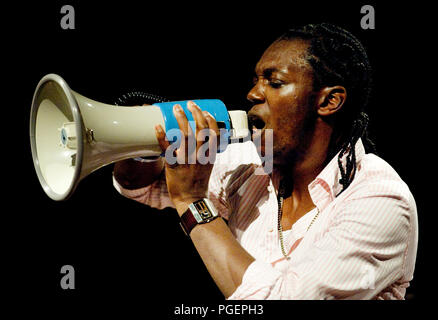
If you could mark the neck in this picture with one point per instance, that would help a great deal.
(297, 176)
(310, 162)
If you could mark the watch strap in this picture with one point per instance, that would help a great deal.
(201, 211)
(188, 222)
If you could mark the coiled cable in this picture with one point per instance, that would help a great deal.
(138, 98)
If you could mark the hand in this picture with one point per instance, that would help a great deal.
(187, 179)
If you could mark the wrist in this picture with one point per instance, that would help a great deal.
(181, 206)
(199, 212)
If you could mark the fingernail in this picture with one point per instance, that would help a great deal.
(158, 128)
(207, 114)
(177, 108)
(195, 105)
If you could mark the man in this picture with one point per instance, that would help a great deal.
(330, 221)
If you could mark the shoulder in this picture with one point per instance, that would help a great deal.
(380, 191)
(381, 178)
(379, 210)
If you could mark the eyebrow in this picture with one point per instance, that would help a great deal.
(269, 71)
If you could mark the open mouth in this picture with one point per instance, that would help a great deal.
(255, 122)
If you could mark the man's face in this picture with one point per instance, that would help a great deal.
(282, 98)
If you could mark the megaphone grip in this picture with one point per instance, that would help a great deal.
(214, 106)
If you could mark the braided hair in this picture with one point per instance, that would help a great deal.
(338, 58)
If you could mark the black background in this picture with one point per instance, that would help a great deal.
(123, 251)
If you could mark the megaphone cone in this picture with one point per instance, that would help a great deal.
(72, 136)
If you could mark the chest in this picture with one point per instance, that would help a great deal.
(290, 211)
(254, 223)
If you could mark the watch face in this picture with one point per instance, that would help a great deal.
(203, 210)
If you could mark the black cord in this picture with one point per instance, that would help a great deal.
(138, 98)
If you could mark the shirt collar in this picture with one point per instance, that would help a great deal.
(324, 188)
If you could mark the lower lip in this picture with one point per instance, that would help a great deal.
(256, 131)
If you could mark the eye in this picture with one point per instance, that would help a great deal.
(276, 84)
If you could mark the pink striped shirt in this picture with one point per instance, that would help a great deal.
(362, 245)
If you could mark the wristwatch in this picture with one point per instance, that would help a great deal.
(201, 211)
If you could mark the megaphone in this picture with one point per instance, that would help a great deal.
(71, 135)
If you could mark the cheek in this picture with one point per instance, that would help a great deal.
(289, 126)
(291, 106)
(289, 119)
(285, 96)
(286, 100)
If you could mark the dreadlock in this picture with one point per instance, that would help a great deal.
(338, 58)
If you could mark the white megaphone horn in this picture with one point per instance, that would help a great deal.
(72, 136)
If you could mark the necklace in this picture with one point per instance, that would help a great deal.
(280, 214)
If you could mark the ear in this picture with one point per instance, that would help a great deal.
(330, 100)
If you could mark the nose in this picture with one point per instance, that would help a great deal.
(255, 95)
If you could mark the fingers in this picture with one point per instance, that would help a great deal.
(198, 116)
(183, 123)
(186, 152)
(207, 135)
(206, 127)
(161, 137)
(212, 124)
(207, 130)
(214, 132)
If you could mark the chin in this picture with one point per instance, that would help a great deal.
(283, 156)
(279, 160)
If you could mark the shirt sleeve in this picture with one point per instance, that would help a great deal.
(155, 195)
(362, 253)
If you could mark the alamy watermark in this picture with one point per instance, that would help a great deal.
(204, 148)
(368, 20)
(68, 280)
(68, 19)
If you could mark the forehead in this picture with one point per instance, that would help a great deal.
(285, 56)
